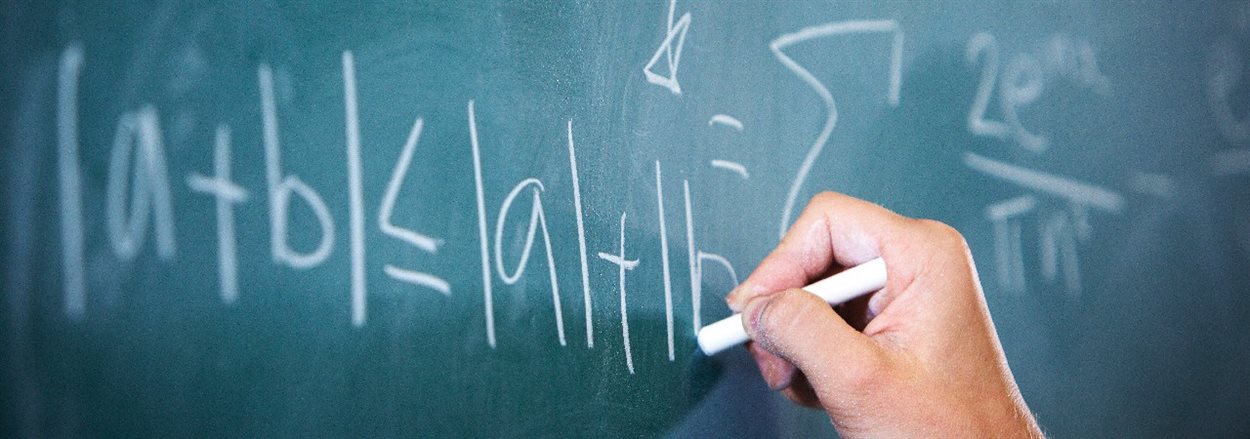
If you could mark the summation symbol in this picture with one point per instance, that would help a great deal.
(827, 30)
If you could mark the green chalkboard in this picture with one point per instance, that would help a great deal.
(484, 218)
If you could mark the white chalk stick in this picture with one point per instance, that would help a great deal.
(849, 284)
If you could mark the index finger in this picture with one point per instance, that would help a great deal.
(833, 231)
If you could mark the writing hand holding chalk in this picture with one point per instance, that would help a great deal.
(834, 290)
(919, 358)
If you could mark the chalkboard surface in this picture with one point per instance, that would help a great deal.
(491, 219)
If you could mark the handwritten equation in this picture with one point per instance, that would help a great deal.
(1057, 209)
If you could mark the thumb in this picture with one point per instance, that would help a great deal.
(804, 330)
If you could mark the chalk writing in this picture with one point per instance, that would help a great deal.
(149, 190)
(1059, 230)
(1014, 93)
(623, 265)
(538, 220)
(70, 178)
(670, 49)
(1022, 82)
(1007, 249)
(696, 257)
(977, 123)
(734, 167)
(778, 47)
(1226, 70)
(138, 193)
(281, 188)
(668, 283)
(1225, 73)
(1076, 60)
(479, 191)
(227, 194)
(356, 208)
(581, 238)
(418, 240)
(726, 120)
(1071, 190)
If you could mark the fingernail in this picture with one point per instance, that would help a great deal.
(777, 373)
(752, 312)
(876, 302)
(738, 296)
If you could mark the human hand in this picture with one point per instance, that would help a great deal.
(920, 358)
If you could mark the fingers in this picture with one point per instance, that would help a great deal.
(801, 329)
(782, 376)
(777, 372)
(927, 334)
(833, 231)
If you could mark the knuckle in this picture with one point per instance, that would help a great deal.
(824, 197)
(791, 305)
(867, 374)
(943, 233)
(825, 200)
(784, 317)
(802, 393)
